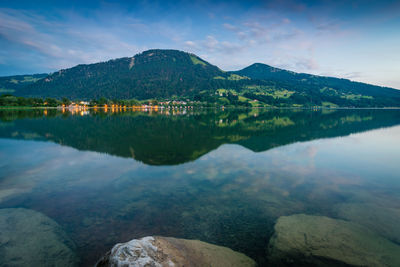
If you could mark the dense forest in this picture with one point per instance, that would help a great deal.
(11, 84)
(172, 74)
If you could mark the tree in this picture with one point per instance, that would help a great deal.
(103, 101)
(51, 102)
(65, 101)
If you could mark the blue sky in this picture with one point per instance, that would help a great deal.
(359, 40)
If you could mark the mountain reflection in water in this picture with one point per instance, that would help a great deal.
(157, 138)
(196, 175)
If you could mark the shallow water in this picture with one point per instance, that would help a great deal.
(222, 177)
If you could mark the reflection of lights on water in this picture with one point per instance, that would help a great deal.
(86, 110)
(45, 112)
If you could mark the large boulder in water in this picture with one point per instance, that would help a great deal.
(29, 238)
(381, 219)
(167, 251)
(304, 240)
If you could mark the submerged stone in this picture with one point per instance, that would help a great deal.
(167, 251)
(321, 241)
(383, 220)
(29, 238)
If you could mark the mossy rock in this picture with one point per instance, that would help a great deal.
(304, 240)
(29, 238)
(383, 220)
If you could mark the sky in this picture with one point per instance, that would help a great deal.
(358, 40)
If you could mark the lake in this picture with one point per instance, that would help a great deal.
(220, 176)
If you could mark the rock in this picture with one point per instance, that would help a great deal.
(29, 238)
(321, 241)
(383, 220)
(167, 251)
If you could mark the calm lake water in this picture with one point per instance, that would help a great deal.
(223, 177)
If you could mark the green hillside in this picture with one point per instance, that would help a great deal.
(166, 74)
(322, 89)
(151, 74)
(11, 84)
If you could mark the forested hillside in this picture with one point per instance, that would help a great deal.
(172, 74)
(11, 84)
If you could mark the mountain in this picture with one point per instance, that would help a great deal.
(166, 74)
(11, 84)
(265, 72)
(151, 74)
(331, 89)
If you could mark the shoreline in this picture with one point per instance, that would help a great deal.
(201, 107)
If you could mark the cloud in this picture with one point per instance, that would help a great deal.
(256, 30)
(59, 44)
(264, 31)
(352, 75)
(327, 26)
(190, 44)
(343, 74)
(306, 64)
(296, 63)
(38, 43)
(230, 27)
(210, 43)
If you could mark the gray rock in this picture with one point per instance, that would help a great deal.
(322, 241)
(166, 251)
(383, 220)
(29, 238)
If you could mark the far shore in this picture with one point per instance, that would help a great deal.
(185, 107)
